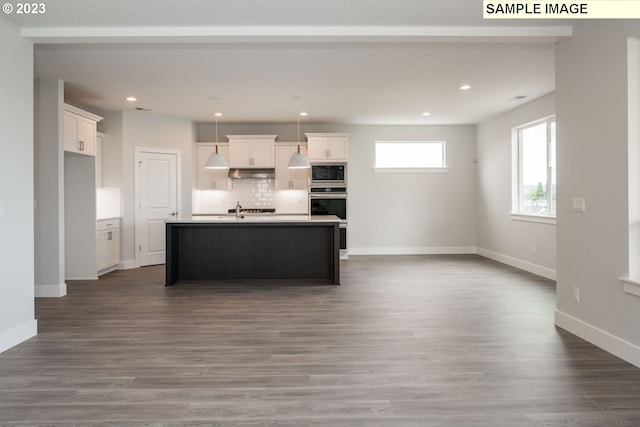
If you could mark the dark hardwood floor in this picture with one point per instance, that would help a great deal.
(405, 341)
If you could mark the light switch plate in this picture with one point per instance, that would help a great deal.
(579, 204)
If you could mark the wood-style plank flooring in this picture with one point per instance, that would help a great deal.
(405, 342)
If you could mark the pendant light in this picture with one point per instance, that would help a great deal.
(216, 160)
(298, 159)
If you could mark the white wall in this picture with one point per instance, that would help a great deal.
(17, 322)
(500, 237)
(410, 213)
(147, 129)
(49, 189)
(592, 135)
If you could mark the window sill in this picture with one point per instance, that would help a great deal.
(410, 170)
(630, 286)
(541, 219)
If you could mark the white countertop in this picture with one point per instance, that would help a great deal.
(256, 218)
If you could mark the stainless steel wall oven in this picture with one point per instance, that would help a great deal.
(331, 201)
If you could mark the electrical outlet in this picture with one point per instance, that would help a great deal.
(535, 250)
(576, 294)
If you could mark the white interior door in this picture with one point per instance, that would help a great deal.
(158, 201)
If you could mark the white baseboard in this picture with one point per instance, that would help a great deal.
(518, 263)
(615, 345)
(50, 291)
(20, 333)
(127, 264)
(396, 250)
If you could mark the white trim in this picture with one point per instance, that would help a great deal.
(18, 334)
(518, 263)
(136, 228)
(127, 264)
(630, 286)
(405, 250)
(615, 345)
(82, 278)
(410, 170)
(541, 219)
(50, 291)
(294, 34)
(83, 113)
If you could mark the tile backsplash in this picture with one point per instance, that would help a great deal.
(251, 193)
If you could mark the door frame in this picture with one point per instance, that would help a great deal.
(136, 189)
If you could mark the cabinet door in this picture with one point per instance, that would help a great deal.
(240, 153)
(79, 134)
(262, 154)
(114, 247)
(283, 174)
(290, 178)
(102, 249)
(317, 148)
(70, 132)
(87, 136)
(337, 148)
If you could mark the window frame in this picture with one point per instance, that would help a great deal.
(411, 169)
(517, 213)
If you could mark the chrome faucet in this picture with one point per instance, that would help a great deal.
(238, 207)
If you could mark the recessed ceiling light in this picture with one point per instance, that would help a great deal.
(426, 114)
(131, 98)
(465, 87)
(304, 114)
(218, 114)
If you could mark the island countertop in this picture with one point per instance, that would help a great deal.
(279, 219)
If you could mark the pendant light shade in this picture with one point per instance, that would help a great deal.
(298, 159)
(216, 160)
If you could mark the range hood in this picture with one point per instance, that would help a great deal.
(252, 173)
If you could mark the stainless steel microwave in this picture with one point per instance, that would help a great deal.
(328, 174)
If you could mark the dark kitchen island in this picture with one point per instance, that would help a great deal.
(269, 248)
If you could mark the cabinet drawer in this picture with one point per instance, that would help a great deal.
(107, 224)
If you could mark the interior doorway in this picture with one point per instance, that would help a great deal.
(157, 192)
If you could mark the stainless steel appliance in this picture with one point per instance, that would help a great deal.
(331, 201)
(328, 174)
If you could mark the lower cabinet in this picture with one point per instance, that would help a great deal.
(107, 245)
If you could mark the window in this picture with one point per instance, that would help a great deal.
(535, 169)
(410, 156)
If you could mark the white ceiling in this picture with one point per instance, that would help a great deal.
(263, 61)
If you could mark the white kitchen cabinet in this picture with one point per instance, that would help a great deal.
(327, 146)
(211, 179)
(290, 178)
(107, 245)
(251, 151)
(80, 128)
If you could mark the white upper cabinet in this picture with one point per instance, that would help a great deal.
(80, 128)
(327, 146)
(211, 179)
(251, 151)
(290, 178)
